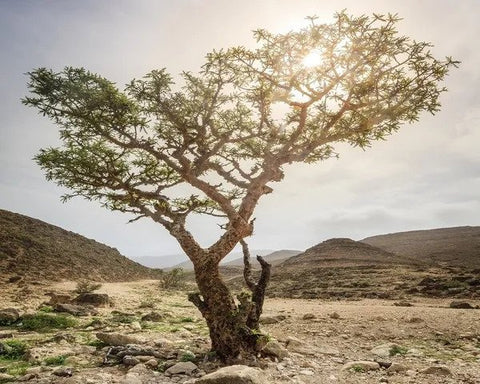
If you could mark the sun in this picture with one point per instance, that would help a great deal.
(313, 59)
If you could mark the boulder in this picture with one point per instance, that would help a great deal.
(299, 346)
(275, 349)
(385, 350)
(439, 370)
(75, 310)
(186, 368)
(95, 299)
(114, 338)
(152, 316)
(461, 305)
(234, 374)
(272, 319)
(9, 316)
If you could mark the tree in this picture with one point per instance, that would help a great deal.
(227, 132)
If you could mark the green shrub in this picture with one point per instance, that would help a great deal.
(46, 309)
(44, 322)
(55, 360)
(187, 320)
(172, 279)
(13, 349)
(187, 356)
(86, 286)
(397, 350)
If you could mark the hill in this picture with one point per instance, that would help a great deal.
(457, 246)
(273, 258)
(37, 250)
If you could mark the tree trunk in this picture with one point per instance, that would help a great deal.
(230, 323)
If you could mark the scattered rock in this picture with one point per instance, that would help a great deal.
(299, 346)
(385, 350)
(309, 316)
(461, 305)
(63, 372)
(58, 298)
(439, 370)
(152, 364)
(334, 315)
(403, 304)
(152, 316)
(117, 338)
(75, 310)
(130, 360)
(361, 366)
(273, 319)
(9, 316)
(95, 299)
(397, 367)
(27, 377)
(234, 374)
(274, 348)
(187, 368)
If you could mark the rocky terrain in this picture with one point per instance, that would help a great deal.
(34, 250)
(143, 334)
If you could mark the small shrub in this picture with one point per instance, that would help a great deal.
(187, 356)
(148, 303)
(172, 279)
(86, 286)
(42, 322)
(397, 350)
(358, 368)
(18, 368)
(55, 360)
(13, 349)
(46, 309)
(187, 320)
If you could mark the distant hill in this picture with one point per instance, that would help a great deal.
(458, 246)
(165, 261)
(273, 258)
(36, 250)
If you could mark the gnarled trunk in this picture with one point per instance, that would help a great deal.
(233, 324)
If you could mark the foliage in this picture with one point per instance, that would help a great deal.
(13, 349)
(86, 286)
(187, 356)
(44, 322)
(397, 350)
(55, 360)
(358, 368)
(172, 279)
(45, 309)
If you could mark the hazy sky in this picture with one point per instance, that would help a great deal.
(425, 176)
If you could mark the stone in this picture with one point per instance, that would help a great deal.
(403, 304)
(5, 377)
(306, 372)
(152, 364)
(275, 349)
(152, 316)
(63, 372)
(361, 366)
(272, 319)
(75, 310)
(186, 368)
(384, 350)
(130, 360)
(234, 374)
(58, 298)
(308, 316)
(439, 370)
(334, 315)
(396, 367)
(135, 325)
(461, 305)
(95, 299)
(298, 346)
(9, 316)
(114, 338)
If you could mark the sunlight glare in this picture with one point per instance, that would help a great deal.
(313, 59)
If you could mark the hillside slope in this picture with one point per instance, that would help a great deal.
(37, 250)
(458, 246)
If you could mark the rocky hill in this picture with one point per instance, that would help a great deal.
(273, 258)
(36, 250)
(458, 246)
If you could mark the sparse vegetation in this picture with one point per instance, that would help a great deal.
(358, 369)
(398, 350)
(43, 322)
(172, 279)
(55, 360)
(13, 349)
(86, 286)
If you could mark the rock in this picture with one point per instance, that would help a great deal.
(186, 368)
(397, 367)
(308, 316)
(361, 366)
(14, 279)
(135, 325)
(130, 360)
(298, 346)
(415, 320)
(439, 370)
(6, 377)
(334, 315)
(385, 350)
(9, 316)
(63, 372)
(117, 338)
(272, 319)
(306, 372)
(403, 304)
(58, 298)
(6, 335)
(152, 364)
(75, 310)
(152, 316)
(234, 374)
(274, 348)
(461, 305)
(68, 337)
(95, 299)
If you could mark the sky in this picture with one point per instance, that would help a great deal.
(427, 175)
